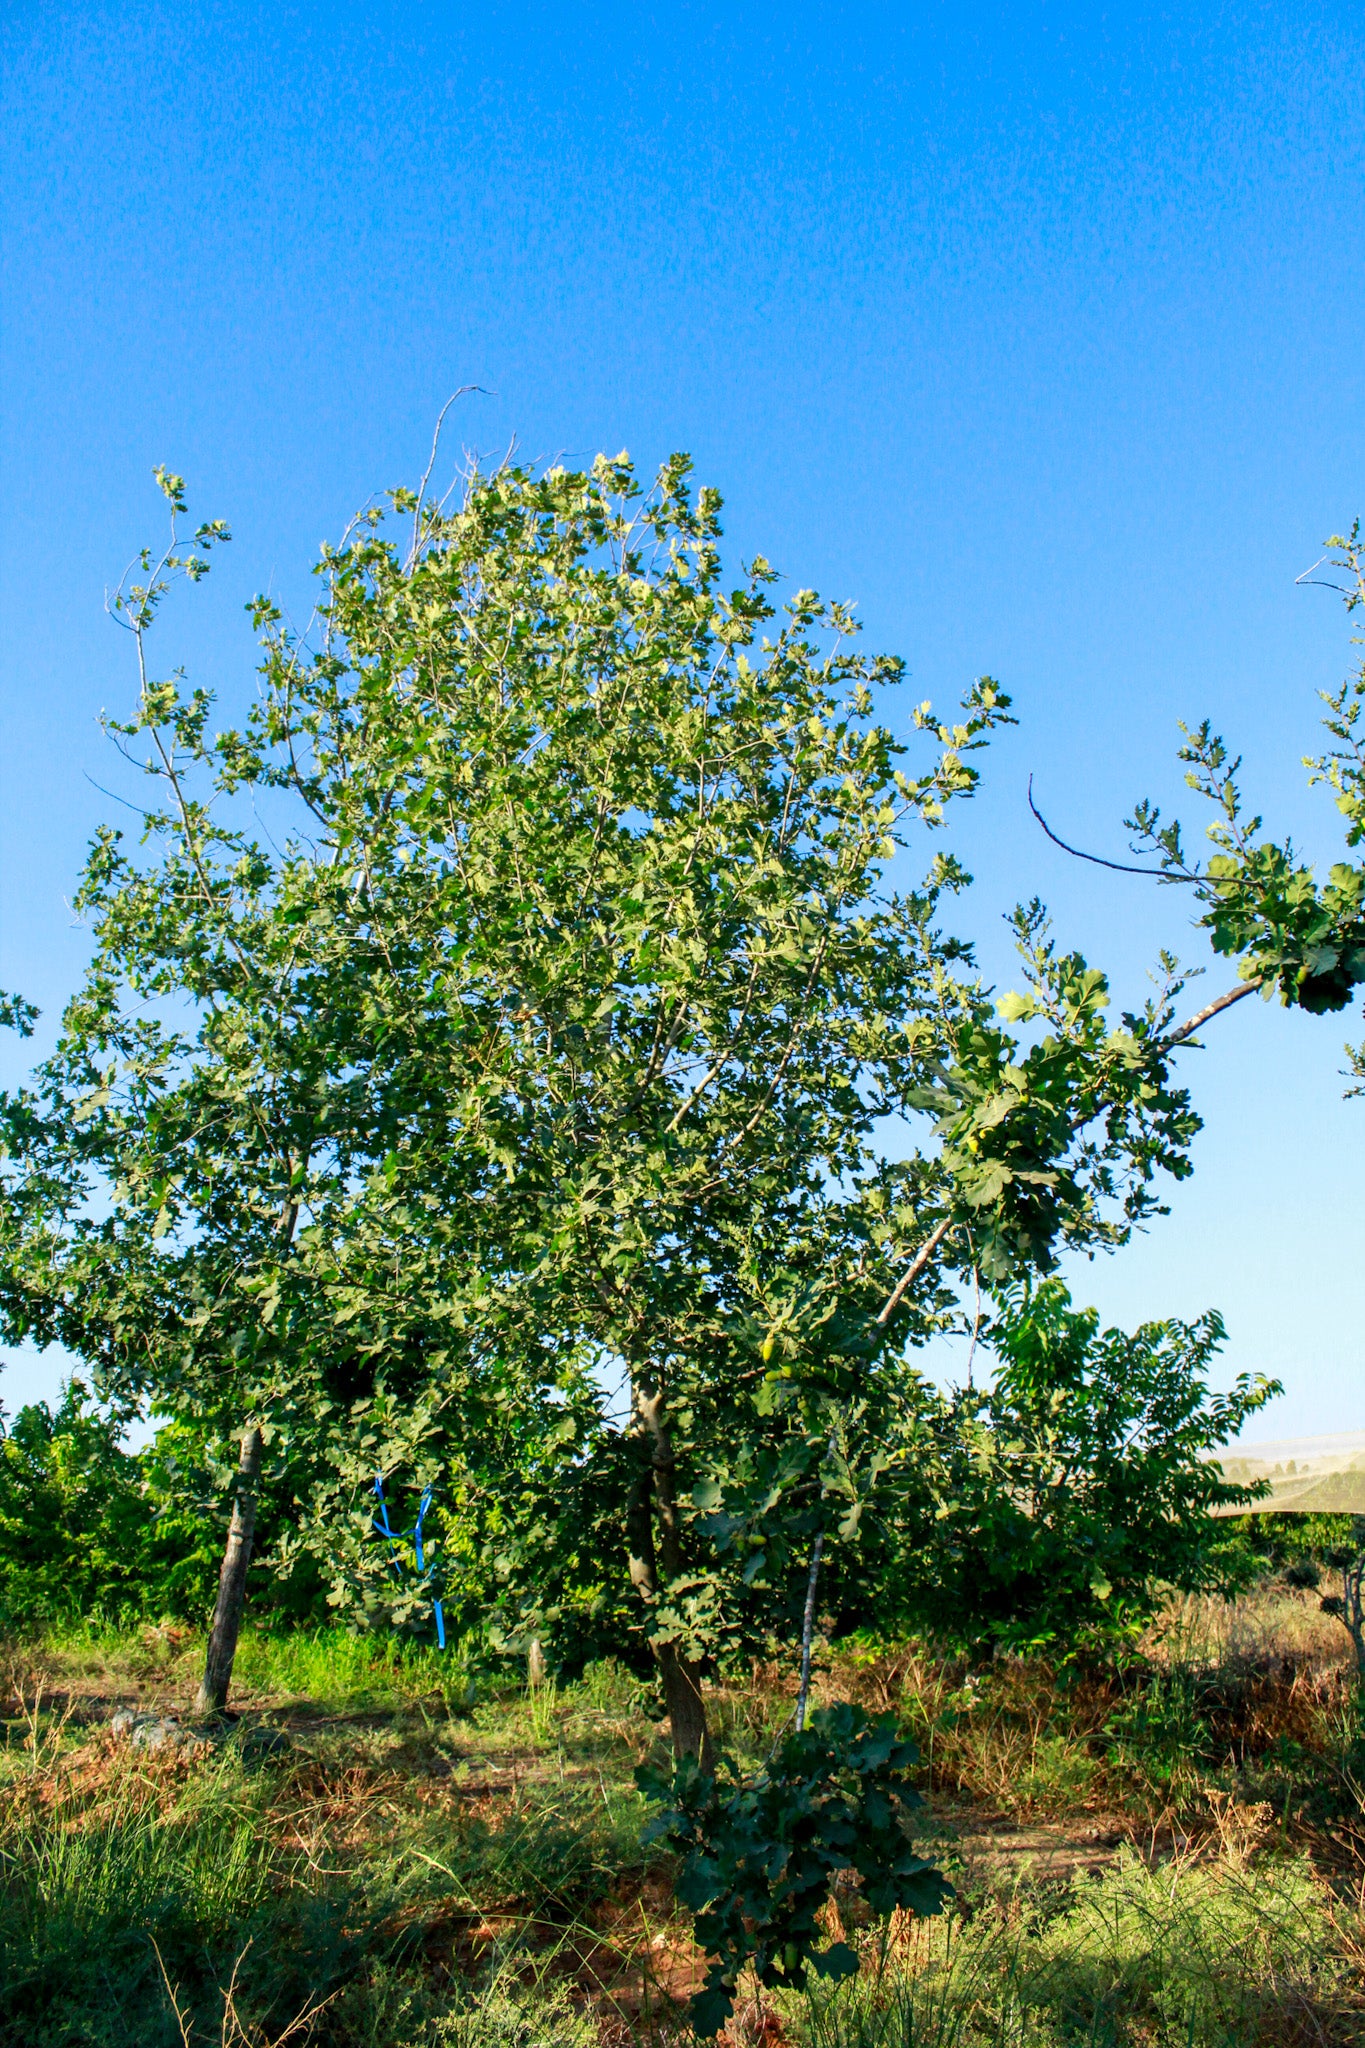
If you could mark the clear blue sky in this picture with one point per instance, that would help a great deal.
(1035, 330)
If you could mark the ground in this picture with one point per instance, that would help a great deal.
(396, 1848)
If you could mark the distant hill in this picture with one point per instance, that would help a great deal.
(1321, 1475)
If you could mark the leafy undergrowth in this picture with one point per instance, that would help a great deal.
(424, 1860)
(1266, 1714)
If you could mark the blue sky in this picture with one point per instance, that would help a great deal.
(1036, 331)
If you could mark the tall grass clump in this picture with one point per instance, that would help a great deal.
(117, 1879)
(515, 2001)
(1200, 1953)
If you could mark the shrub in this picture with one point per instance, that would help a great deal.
(760, 1852)
(1075, 1491)
(89, 1528)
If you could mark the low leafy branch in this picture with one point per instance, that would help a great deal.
(760, 1851)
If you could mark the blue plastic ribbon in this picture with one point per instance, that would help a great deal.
(394, 1538)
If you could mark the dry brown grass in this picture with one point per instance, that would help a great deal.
(1274, 1623)
(449, 1833)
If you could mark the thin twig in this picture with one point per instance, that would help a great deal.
(1201, 1017)
(1320, 582)
(180, 2018)
(431, 464)
(114, 797)
(1120, 867)
(304, 2019)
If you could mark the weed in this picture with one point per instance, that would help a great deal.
(430, 1862)
(1203, 1953)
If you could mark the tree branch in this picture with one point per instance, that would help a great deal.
(914, 1269)
(1120, 867)
(1223, 1002)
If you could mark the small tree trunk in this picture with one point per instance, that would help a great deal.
(807, 1630)
(681, 1683)
(1353, 1601)
(535, 1663)
(227, 1614)
(655, 1499)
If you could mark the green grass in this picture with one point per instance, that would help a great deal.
(436, 1858)
(330, 1667)
(1202, 1953)
(229, 1868)
(352, 1868)
(352, 1671)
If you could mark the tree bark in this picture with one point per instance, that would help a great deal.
(1353, 1613)
(681, 1683)
(807, 1630)
(655, 1501)
(227, 1614)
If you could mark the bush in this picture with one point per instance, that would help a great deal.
(760, 1852)
(79, 1525)
(1072, 1494)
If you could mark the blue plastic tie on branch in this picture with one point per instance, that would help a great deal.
(394, 1538)
(436, 1607)
(381, 1522)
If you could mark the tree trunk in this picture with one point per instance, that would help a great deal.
(1353, 1605)
(227, 1614)
(681, 1683)
(655, 1501)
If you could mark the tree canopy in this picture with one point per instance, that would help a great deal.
(521, 1113)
